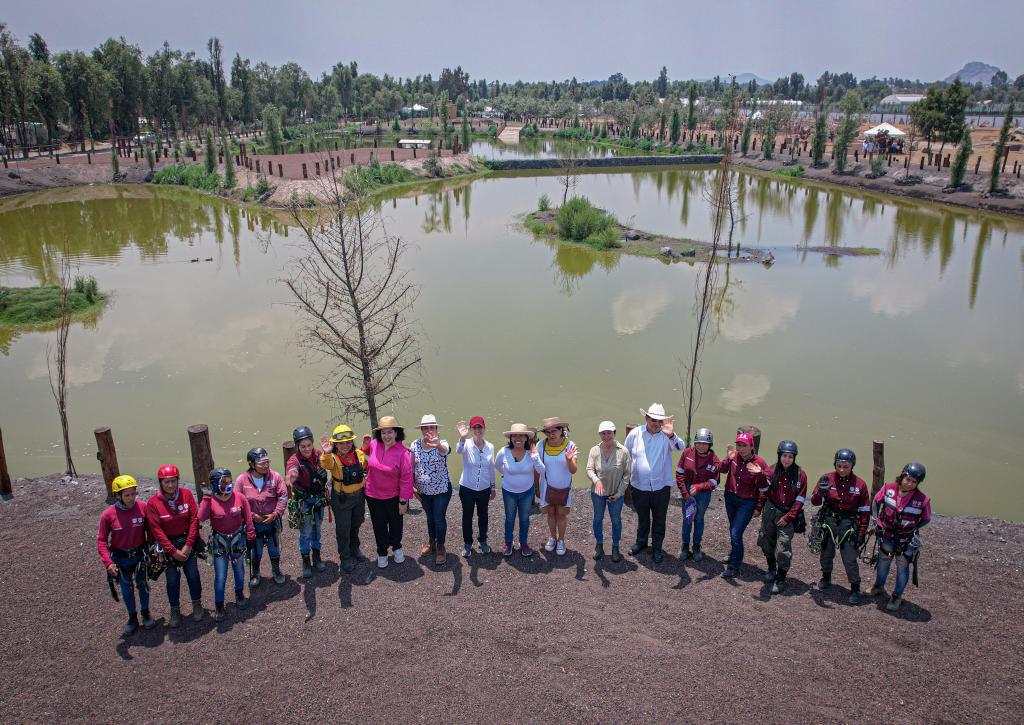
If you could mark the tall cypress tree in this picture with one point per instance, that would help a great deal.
(820, 137)
(691, 108)
(210, 154)
(963, 155)
(1004, 136)
(676, 125)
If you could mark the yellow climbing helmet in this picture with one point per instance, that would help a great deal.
(123, 482)
(341, 434)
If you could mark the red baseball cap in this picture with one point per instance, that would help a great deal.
(745, 438)
(476, 420)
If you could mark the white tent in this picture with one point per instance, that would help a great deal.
(886, 128)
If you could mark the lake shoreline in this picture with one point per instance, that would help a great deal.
(566, 621)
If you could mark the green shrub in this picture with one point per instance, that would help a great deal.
(645, 144)
(191, 175)
(263, 187)
(581, 221)
(34, 305)
(543, 203)
(364, 179)
(877, 165)
(492, 130)
(573, 133)
(790, 171)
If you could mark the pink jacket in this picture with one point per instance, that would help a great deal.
(273, 499)
(390, 472)
(120, 529)
(226, 517)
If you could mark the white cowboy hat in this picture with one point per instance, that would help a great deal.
(606, 425)
(656, 411)
(428, 419)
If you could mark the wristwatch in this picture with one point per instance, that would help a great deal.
(402, 503)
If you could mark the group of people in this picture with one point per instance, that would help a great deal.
(138, 541)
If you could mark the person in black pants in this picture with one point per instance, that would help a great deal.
(475, 500)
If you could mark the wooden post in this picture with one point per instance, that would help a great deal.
(878, 471)
(754, 431)
(977, 165)
(318, 168)
(5, 477)
(202, 457)
(304, 174)
(280, 170)
(107, 456)
(287, 450)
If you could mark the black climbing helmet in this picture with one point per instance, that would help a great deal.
(845, 454)
(217, 476)
(301, 433)
(704, 435)
(255, 454)
(914, 470)
(787, 447)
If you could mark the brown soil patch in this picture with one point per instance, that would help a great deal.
(552, 638)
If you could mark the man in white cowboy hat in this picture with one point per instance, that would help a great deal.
(650, 446)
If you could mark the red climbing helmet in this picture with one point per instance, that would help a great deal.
(168, 471)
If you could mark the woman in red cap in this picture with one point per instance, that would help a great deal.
(747, 479)
(173, 520)
(477, 487)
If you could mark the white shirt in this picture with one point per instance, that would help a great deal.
(477, 465)
(652, 458)
(517, 476)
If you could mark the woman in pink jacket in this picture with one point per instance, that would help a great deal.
(267, 495)
(388, 487)
(231, 520)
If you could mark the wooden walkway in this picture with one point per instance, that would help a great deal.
(509, 134)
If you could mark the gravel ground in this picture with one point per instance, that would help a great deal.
(487, 639)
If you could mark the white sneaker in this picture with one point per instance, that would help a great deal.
(382, 562)
(399, 556)
(560, 550)
(550, 546)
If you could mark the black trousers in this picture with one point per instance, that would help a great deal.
(479, 501)
(387, 523)
(651, 511)
(349, 514)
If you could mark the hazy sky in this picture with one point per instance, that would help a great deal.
(558, 39)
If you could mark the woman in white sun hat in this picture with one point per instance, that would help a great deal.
(558, 454)
(608, 467)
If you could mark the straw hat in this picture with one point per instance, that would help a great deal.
(388, 421)
(606, 425)
(553, 423)
(656, 411)
(428, 419)
(521, 429)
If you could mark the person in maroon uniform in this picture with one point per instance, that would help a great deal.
(747, 475)
(697, 476)
(779, 508)
(903, 510)
(268, 498)
(232, 535)
(173, 520)
(121, 543)
(846, 510)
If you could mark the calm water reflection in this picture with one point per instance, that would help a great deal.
(829, 351)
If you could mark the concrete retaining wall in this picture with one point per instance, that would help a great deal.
(514, 164)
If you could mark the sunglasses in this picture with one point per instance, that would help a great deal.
(478, 427)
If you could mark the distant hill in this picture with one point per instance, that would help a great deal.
(745, 78)
(974, 72)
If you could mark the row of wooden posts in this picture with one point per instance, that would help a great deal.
(202, 457)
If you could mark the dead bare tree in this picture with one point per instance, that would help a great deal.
(570, 167)
(57, 359)
(355, 300)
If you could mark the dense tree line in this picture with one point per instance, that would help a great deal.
(116, 88)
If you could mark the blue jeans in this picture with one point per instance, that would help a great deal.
(131, 568)
(220, 576)
(614, 511)
(309, 535)
(517, 505)
(273, 548)
(436, 508)
(195, 585)
(885, 557)
(740, 511)
(703, 500)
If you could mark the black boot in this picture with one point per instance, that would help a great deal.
(599, 552)
(240, 601)
(769, 575)
(131, 627)
(254, 575)
(275, 568)
(316, 560)
(825, 582)
(855, 594)
(218, 616)
(147, 621)
(307, 567)
(616, 554)
(780, 583)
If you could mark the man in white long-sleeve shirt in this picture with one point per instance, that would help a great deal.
(650, 447)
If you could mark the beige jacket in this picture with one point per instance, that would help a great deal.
(613, 472)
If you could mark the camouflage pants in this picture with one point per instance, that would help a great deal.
(840, 533)
(776, 541)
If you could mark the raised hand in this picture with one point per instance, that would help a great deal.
(463, 429)
(730, 451)
(669, 426)
(326, 445)
(533, 448)
(753, 468)
(570, 452)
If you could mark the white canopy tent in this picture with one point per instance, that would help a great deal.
(886, 128)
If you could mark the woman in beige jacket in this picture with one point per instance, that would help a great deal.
(608, 467)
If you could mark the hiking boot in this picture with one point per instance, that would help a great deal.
(854, 597)
(779, 585)
(218, 616)
(382, 562)
(506, 550)
(347, 566)
(637, 548)
(440, 555)
(307, 567)
(275, 568)
(254, 578)
(876, 591)
(526, 551)
(428, 549)
(359, 555)
(616, 554)
(769, 576)
(147, 621)
(684, 553)
(175, 619)
(894, 603)
(240, 601)
(399, 555)
(698, 555)
(485, 548)
(824, 583)
(729, 573)
(659, 556)
(599, 552)
(317, 561)
(131, 627)
(197, 611)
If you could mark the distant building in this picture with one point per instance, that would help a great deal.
(901, 99)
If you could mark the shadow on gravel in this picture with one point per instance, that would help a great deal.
(908, 611)
(320, 580)
(487, 562)
(570, 559)
(407, 571)
(152, 637)
(606, 566)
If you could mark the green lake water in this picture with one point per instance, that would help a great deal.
(921, 346)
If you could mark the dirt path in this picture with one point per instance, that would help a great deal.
(510, 134)
(487, 639)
